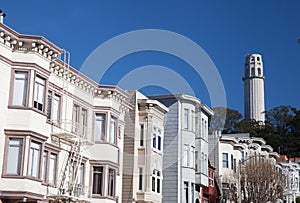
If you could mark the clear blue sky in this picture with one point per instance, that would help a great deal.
(226, 30)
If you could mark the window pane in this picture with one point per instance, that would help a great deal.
(55, 113)
(158, 185)
(111, 182)
(75, 118)
(100, 127)
(20, 88)
(192, 159)
(39, 90)
(186, 119)
(113, 124)
(83, 122)
(52, 168)
(140, 178)
(186, 192)
(49, 105)
(44, 172)
(193, 120)
(153, 184)
(141, 135)
(225, 160)
(14, 158)
(97, 180)
(34, 159)
(154, 138)
(186, 155)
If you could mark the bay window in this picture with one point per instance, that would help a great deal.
(14, 157)
(113, 130)
(111, 182)
(34, 159)
(97, 180)
(53, 107)
(186, 119)
(52, 168)
(20, 88)
(99, 131)
(39, 93)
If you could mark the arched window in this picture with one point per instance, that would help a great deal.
(259, 71)
(252, 71)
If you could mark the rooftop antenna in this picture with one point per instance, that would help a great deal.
(2, 15)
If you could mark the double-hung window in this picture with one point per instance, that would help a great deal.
(39, 93)
(225, 160)
(14, 158)
(186, 155)
(53, 107)
(156, 181)
(186, 119)
(20, 88)
(113, 130)
(193, 120)
(157, 138)
(99, 131)
(49, 167)
(98, 180)
(141, 135)
(111, 182)
(34, 159)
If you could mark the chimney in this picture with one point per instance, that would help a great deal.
(2, 16)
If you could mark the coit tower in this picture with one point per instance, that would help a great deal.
(254, 100)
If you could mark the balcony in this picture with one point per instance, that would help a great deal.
(71, 132)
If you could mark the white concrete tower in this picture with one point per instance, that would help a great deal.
(254, 98)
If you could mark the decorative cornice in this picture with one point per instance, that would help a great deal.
(73, 76)
(28, 43)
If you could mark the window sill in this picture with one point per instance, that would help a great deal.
(27, 108)
(49, 185)
(13, 176)
(104, 142)
(95, 196)
(192, 168)
(157, 151)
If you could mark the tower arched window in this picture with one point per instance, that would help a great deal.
(252, 71)
(259, 71)
(258, 59)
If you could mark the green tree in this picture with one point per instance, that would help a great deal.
(224, 119)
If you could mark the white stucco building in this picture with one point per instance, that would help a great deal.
(226, 150)
(254, 101)
(185, 157)
(292, 171)
(61, 134)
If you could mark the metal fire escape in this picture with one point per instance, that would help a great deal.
(73, 138)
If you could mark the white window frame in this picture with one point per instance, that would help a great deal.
(156, 178)
(157, 139)
(34, 159)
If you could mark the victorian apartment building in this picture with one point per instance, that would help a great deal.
(291, 168)
(143, 152)
(227, 150)
(185, 148)
(61, 134)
